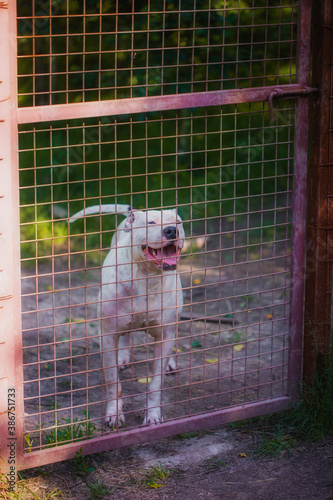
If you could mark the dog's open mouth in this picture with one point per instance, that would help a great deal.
(166, 257)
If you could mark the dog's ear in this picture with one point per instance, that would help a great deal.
(129, 221)
(178, 218)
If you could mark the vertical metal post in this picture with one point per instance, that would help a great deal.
(10, 333)
(299, 199)
(320, 191)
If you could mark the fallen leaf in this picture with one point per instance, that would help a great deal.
(177, 350)
(153, 484)
(239, 347)
(196, 281)
(254, 256)
(78, 320)
(75, 320)
(269, 316)
(243, 455)
(212, 360)
(144, 380)
(196, 344)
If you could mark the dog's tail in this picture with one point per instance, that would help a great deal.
(101, 209)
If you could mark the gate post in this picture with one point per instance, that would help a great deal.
(10, 333)
(299, 202)
(320, 192)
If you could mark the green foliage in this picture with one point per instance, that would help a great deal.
(154, 477)
(272, 443)
(22, 490)
(74, 431)
(186, 57)
(310, 419)
(98, 490)
(198, 176)
(215, 463)
(312, 416)
(29, 441)
(188, 435)
(207, 162)
(79, 464)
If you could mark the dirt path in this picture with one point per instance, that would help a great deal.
(210, 465)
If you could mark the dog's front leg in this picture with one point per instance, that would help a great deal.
(162, 354)
(124, 355)
(109, 348)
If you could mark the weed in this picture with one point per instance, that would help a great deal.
(238, 336)
(272, 443)
(79, 464)
(23, 491)
(312, 416)
(215, 463)
(188, 435)
(74, 431)
(29, 441)
(158, 472)
(152, 477)
(98, 490)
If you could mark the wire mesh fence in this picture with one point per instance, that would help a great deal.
(83, 51)
(232, 344)
(156, 110)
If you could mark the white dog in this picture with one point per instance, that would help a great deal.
(140, 290)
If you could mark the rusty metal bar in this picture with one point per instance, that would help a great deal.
(299, 200)
(320, 214)
(168, 102)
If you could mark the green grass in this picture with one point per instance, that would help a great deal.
(309, 420)
(272, 443)
(80, 465)
(23, 491)
(215, 463)
(98, 490)
(75, 430)
(154, 477)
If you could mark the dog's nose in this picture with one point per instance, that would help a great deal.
(170, 232)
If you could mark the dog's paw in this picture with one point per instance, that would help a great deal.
(124, 359)
(153, 416)
(114, 419)
(171, 365)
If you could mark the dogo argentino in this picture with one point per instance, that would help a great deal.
(140, 290)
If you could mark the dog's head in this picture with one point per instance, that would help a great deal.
(158, 236)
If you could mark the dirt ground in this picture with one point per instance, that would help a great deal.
(214, 464)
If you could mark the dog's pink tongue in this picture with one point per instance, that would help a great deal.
(169, 255)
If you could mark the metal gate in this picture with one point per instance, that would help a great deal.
(198, 106)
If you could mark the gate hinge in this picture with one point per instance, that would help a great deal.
(287, 93)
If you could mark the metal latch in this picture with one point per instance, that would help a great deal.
(285, 93)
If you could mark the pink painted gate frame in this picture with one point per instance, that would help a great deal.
(10, 335)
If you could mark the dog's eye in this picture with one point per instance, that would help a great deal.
(151, 222)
